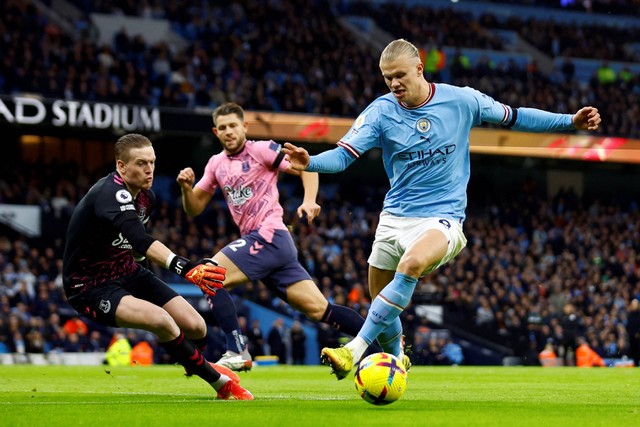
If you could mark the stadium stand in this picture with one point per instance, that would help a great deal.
(538, 268)
(305, 61)
(526, 260)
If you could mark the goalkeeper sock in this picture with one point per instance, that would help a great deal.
(387, 306)
(201, 344)
(342, 318)
(224, 310)
(186, 354)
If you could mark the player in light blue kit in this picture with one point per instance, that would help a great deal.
(423, 130)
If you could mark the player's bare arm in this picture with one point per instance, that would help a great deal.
(587, 118)
(194, 200)
(298, 157)
(158, 253)
(309, 207)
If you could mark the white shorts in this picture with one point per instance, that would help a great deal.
(395, 234)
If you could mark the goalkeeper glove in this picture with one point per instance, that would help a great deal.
(206, 273)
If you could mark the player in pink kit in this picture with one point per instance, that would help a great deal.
(247, 173)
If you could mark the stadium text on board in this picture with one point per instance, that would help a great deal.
(27, 110)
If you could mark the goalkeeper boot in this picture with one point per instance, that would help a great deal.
(340, 360)
(236, 361)
(222, 370)
(233, 391)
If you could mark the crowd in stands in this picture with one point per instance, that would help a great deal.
(447, 27)
(278, 57)
(535, 270)
(615, 7)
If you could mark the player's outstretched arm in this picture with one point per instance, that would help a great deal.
(330, 161)
(587, 118)
(298, 157)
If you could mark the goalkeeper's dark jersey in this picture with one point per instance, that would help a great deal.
(98, 248)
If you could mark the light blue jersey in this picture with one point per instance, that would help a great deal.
(425, 149)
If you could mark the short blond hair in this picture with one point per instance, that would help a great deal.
(397, 49)
(128, 142)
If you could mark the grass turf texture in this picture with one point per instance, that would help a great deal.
(309, 396)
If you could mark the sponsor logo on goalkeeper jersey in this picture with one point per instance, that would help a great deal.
(121, 242)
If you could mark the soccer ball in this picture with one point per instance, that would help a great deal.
(381, 379)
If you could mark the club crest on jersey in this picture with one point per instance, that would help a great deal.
(245, 167)
(123, 196)
(423, 125)
(142, 213)
(105, 306)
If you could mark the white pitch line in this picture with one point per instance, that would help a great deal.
(88, 403)
(101, 402)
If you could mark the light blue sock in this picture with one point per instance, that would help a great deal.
(386, 308)
(390, 339)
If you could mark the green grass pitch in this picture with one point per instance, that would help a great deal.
(308, 396)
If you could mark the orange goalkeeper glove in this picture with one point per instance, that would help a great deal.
(206, 273)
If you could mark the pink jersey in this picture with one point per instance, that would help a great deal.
(249, 180)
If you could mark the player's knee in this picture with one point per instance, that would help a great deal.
(412, 265)
(194, 326)
(316, 310)
(313, 309)
(162, 324)
(315, 316)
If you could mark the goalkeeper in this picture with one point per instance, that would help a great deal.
(103, 281)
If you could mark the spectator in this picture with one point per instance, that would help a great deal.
(606, 74)
(298, 343)
(451, 353)
(548, 356)
(276, 340)
(568, 70)
(571, 328)
(255, 339)
(484, 314)
(586, 357)
(633, 330)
